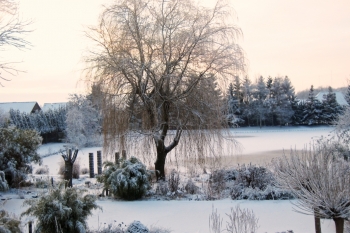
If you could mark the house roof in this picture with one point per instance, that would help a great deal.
(338, 95)
(53, 106)
(27, 107)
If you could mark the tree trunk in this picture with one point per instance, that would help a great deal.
(68, 173)
(339, 225)
(317, 224)
(160, 164)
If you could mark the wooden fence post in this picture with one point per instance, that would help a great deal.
(91, 165)
(99, 162)
(116, 158)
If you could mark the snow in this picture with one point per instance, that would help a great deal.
(338, 95)
(26, 107)
(53, 106)
(190, 216)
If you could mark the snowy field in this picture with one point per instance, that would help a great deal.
(185, 216)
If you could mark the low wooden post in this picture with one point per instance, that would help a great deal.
(99, 162)
(124, 154)
(91, 165)
(117, 158)
(30, 227)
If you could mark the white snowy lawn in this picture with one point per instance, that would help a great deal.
(183, 216)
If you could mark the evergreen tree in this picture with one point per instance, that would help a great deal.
(347, 94)
(247, 107)
(233, 110)
(313, 109)
(260, 94)
(331, 108)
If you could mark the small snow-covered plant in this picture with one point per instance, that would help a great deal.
(3, 183)
(18, 149)
(130, 181)
(190, 187)
(174, 181)
(137, 227)
(42, 170)
(61, 210)
(84, 170)
(215, 221)
(8, 223)
(162, 188)
(241, 221)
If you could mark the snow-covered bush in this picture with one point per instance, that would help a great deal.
(162, 188)
(130, 181)
(18, 149)
(61, 210)
(253, 176)
(254, 182)
(217, 182)
(137, 227)
(42, 170)
(133, 227)
(190, 187)
(9, 224)
(3, 183)
(173, 181)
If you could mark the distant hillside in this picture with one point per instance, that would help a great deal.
(305, 93)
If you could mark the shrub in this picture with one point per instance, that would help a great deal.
(42, 170)
(84, 170)
(254, 176)
(137, 227)
(190, 187)
(217, 181)
(9, 224)
(3, 183)
(130, 181)
(76, 169)
(162, 188)
(18, 149)
(174, 181)
(61, 210)
(254, 183)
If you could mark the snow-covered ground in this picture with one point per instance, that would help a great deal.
(183, 216)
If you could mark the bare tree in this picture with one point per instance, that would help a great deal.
(155, 61)
(320, 181)
(69, 159)
(12, 29)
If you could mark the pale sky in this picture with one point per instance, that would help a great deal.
(308, 40)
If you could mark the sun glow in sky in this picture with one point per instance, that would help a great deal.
(309, 41)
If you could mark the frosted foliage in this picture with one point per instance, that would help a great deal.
(130, 181)
(18, 149)
(8, 223)
(64, 209)
(137, 227)
(4, 118)
(83, 122)
(318, 179)
(75, 127)
(3, 183)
